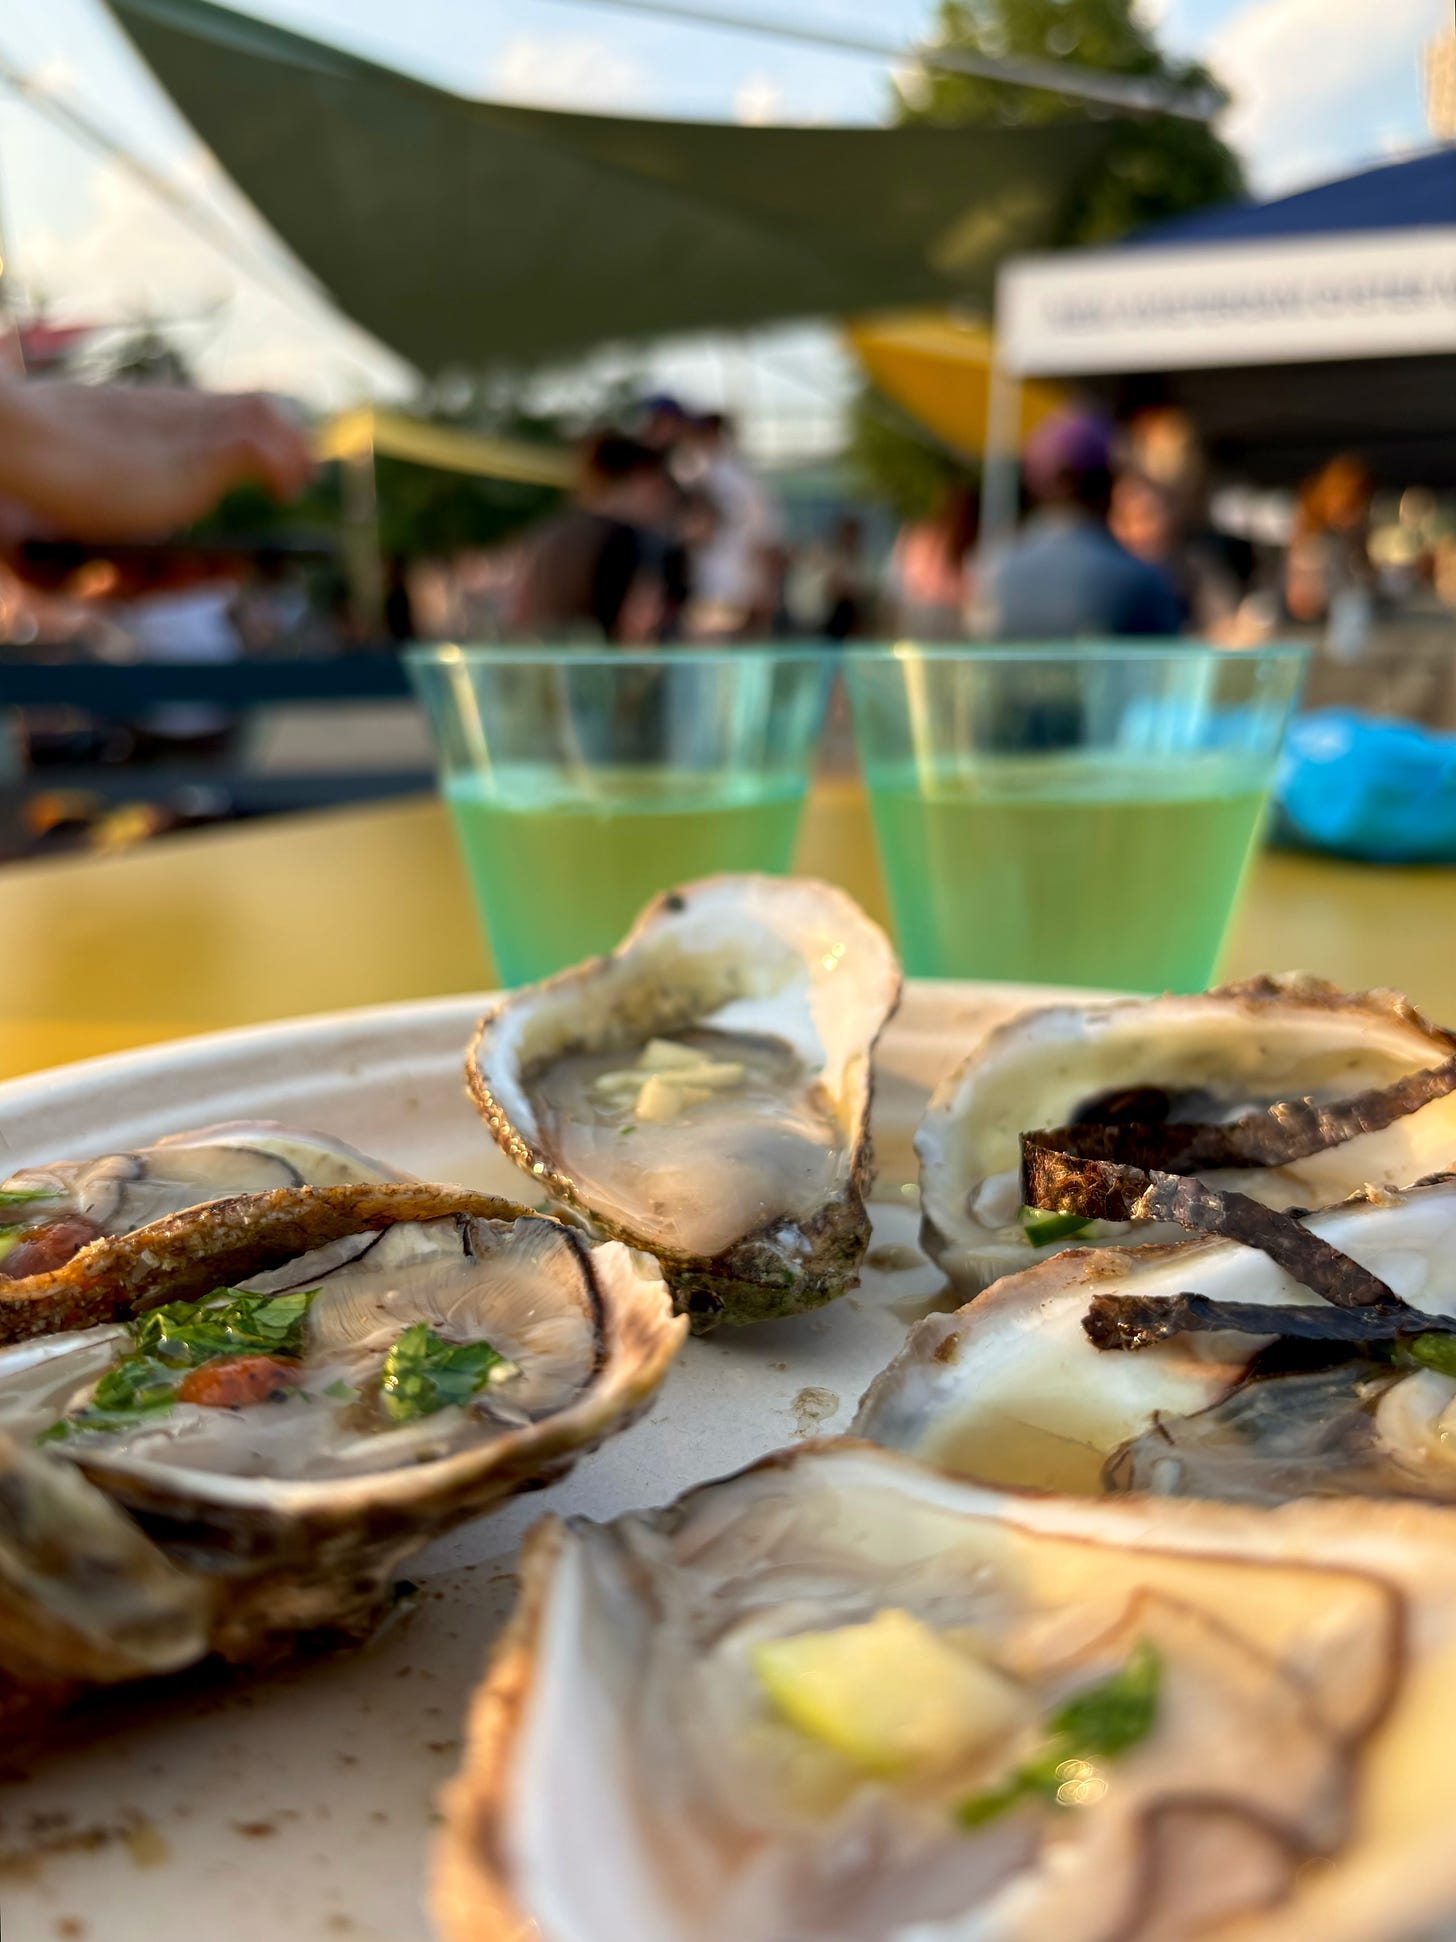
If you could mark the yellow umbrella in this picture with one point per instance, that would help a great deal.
(938, 369)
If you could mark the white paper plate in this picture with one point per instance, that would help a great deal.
(298, 1809)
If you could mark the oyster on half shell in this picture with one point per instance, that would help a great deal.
(48, 1213)
(703, 1093)
(1204, 1059)
(1011, 1389)
(844, 1698)
(271, 1401)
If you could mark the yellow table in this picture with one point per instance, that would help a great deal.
(362, 906)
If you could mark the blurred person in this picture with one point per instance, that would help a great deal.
(1328, 576)
(399, 612)
(779, 563)
(1141, 517)
(1161, 444)
(929, 573)
(1160, 512)
(1065, 577)
(1443, 570)
(594, 570)
(732, 567)
(272, 609)
(187, 614)
(1147, 518)
(666, 426)
(112, 462)
(663, 423)
(691, 528)
(848, 594)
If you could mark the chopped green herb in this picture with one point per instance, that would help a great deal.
(137, 1382)
(1434, 1351)
(341, 1391)
(981, 1809)
(1104, 1720)
(1041, 1228)
(1114, 1715)
(109, 1422)
(17, 1196)
(189, 1333)
(135, 1390)
(423, 1373)
(184, 1335)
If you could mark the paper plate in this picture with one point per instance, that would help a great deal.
(297, 1808)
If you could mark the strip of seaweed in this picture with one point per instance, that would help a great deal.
(1290, 1129)
(1138, 1321)
(1130, 1168)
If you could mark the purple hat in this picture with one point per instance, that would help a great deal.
(662, 404)
(1065, 445)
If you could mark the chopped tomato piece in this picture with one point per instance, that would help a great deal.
(51, 1246)
(236, 1381)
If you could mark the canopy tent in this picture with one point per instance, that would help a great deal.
(465, 232)
(1288, 330)
(937, 367)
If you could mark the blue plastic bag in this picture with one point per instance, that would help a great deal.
(1384, 791)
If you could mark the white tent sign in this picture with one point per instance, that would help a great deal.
(1282, 301)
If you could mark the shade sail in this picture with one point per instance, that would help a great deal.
(464, 232)
(938, 368)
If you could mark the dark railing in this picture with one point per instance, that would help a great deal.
(129, 688)
(129, 692)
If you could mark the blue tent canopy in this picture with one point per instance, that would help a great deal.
(1418, 193)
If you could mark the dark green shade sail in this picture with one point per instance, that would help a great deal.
(464, 233)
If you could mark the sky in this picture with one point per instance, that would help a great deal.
(1319, 87)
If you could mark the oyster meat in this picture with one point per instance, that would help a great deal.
(1170, 1062)
(704, 1092)
(289, 1393)
(843, 1698)
(1221, 1373)
(48, 1213)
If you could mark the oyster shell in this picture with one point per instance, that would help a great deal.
(291, 1512)
(631, 1774)
(48, 1213)
(1012, 1390)
(1206, 1058)
(703, 1093)
(85, 1596)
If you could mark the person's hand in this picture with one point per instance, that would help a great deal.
(112, 462)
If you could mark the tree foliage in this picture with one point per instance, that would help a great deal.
(1156, 166)
(427, 512)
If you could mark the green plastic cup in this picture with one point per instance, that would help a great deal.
(581, 782)
(1079, 815)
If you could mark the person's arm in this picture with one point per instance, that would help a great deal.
(111, 462)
